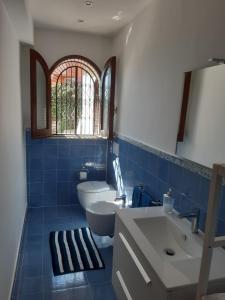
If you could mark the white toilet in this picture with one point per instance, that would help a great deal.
(98, 199)
(93, 191)
(101, 217)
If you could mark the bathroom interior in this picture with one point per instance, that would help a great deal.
(112, 150)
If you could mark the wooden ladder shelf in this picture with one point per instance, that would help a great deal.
(210, 241)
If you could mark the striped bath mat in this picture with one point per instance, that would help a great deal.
(74, 251)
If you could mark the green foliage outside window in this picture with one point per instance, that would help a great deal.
(64, 106)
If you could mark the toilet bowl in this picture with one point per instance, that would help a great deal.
(94, 191)
(101, 217)
(97, 198)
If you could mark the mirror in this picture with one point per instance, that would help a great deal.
(204, 130)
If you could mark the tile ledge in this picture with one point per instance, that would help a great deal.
(182, 162)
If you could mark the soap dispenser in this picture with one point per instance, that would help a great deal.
(168, 201)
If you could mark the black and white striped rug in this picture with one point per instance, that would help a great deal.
(74, 251)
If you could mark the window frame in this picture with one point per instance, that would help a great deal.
(110, 64)
(94, 66)
(47, 132)
(74, 56)
(35, 132)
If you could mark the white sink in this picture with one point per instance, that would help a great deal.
(159, 234)
(170, 242)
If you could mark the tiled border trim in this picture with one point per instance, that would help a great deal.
(182, 162)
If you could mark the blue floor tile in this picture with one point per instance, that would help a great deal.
(56, 295)
(104, 275)
(65, 281)
(34, 216)
(103, 291)
(37, 296)
(33, 241)
(81, 293)
(34, 277)
(33, 258)
(29, 286)
(31, 270)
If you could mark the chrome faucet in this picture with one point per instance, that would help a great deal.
(123, 198)
(194, 215)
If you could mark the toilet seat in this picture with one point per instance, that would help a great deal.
(103, 208)
(93, 186)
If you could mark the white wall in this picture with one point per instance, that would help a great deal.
(204, 140)
(12, 154)
(165, 40)
(54, 44)
(22, 21)
(25, 83)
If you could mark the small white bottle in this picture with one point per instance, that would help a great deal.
(168, 201)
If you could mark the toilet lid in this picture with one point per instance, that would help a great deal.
(103, 208)
(93, 186)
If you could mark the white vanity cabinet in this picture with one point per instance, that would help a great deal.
(134, 278)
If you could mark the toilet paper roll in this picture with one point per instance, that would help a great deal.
(83, 175)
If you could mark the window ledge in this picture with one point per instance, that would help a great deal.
(78, 137)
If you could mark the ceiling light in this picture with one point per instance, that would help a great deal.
(80, 20)
(118, 16)
(89, 2)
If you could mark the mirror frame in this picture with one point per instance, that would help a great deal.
(184, 106)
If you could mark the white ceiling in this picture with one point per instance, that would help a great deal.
(64, 14)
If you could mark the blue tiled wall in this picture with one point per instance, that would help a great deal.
(53, 166)
(157, 174)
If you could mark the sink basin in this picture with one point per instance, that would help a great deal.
(168, 245)
(168, 240)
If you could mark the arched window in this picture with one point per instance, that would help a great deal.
(75, 104)
(66, 99)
